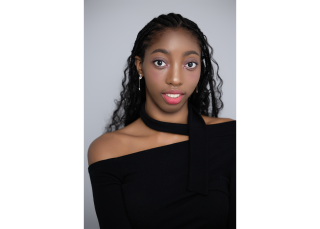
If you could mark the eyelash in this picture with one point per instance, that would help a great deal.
(154, 62)
(193, 63)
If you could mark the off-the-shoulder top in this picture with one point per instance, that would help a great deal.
(188, 184)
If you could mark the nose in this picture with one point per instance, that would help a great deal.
(174, 76)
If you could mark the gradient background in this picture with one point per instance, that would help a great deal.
(110, 29)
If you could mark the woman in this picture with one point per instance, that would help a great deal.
(172, 165)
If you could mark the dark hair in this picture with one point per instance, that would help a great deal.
(128, 106)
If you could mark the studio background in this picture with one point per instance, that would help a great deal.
(110, 29)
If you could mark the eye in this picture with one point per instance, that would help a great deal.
(159, 63)
(191, 65)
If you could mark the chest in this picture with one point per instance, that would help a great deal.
(155, 193)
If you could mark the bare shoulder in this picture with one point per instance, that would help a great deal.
(113, 144)
(106, 146)
(212, 120)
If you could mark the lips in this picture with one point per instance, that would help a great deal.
(173, 92)
(173, 100)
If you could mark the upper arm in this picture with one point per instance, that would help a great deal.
(106, 181)
(102, 148)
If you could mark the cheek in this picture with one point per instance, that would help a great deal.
(155, 77)
(193, 77)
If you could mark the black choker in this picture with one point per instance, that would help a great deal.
(198, 148)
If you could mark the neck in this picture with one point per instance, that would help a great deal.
(167, 113)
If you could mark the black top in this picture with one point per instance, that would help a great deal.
(188, 184)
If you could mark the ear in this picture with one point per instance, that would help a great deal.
(138, 64)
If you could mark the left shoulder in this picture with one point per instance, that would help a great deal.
(212, 120)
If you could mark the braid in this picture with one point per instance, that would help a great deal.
(128, 107)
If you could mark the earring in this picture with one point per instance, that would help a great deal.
(197, 89)
(139, 80)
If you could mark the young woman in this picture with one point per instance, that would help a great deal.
(166, 159)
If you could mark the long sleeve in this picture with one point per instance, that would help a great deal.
(232, 205)
(106, 185)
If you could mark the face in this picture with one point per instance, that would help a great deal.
(172, 62)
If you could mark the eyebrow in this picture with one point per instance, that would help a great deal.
(190, 52)
(168, 53)
(162, 51)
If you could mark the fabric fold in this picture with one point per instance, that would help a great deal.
(198, 145)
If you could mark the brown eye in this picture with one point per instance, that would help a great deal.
(191, 65)
(159, 63)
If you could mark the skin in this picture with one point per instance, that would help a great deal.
(174, 49)
(175, 74)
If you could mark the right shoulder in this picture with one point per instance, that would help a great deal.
(117, 143)
(106, 146)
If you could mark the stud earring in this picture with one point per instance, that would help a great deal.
(139, 80)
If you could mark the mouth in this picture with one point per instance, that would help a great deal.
(173, 99)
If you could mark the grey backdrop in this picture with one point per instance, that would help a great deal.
(110, 29)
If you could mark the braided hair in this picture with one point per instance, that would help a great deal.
(128, 107)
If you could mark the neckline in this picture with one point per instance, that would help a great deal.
(154, 148)
(91, 167)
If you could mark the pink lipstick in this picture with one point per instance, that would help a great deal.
(173, 97)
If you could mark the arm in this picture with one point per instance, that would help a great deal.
(107, 195)
(232, 206)
(105, 175)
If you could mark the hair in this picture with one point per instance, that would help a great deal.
(128, 107)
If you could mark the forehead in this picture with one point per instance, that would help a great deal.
(174, 40)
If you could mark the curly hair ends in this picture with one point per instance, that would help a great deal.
(128, 107)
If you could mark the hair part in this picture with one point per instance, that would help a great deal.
(128, 107)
